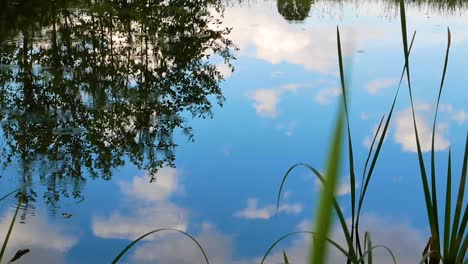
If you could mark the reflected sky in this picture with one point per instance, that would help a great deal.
(279, 109)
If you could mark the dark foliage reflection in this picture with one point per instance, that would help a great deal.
(88, 85)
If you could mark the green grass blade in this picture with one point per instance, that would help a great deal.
(10, 229)
(366, 180)
(324, 213)
(285, 257)
(10, 193)
(427, 255)
(433, 169)
(352, 174)
(352, 171)
(448, 206)
(461, 231)
(427, 194)
(122, 253)
(369, 248)
(381, 140)
(458, 207)
(338, 210)
(369, 251)
(369, 154)
(286, 176)
(314, 234)
(463, 250)
(15, 191)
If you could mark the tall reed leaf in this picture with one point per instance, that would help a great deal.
(427, 192)
(448, 205)
(457, 252)
(344, 227)
(324, 214)
(285, 257)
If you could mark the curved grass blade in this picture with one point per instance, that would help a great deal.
(286, 175)
(12, 224)
(376, 247)
(19, 254)
(333, 243)
(156, 231)
(341, 217)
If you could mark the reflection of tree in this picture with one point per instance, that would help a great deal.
(294, 10)
(298, 10)
(85, 90)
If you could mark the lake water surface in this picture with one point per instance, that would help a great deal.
(122, 117)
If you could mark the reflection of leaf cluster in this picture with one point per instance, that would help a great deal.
(89, 87)
(294, 10)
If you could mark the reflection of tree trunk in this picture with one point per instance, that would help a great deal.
(128, 28)
(28, 88)
(55, 54)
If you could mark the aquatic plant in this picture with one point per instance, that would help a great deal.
(21, 199)
(455, 244)
(455, 240)
(357, 249)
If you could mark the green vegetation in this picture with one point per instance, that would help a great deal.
(7, 237)
(455, 240)
(294, 10)
(448, 242)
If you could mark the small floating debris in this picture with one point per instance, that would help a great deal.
(80, 201)
(19, 254)
(66, 215)
(73, 131)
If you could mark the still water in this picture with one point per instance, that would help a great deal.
(122, 117)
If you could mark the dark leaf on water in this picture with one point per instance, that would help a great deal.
(19, 254)
(81, 200)
(67, 215)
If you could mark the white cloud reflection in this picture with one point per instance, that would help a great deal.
(404, 130)
(48, 243)
(325, 96)
(149, 211)
(178, 249)
(266, 100)
(253, 211)
(376, 86)
(277, 41)
(150, 208)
